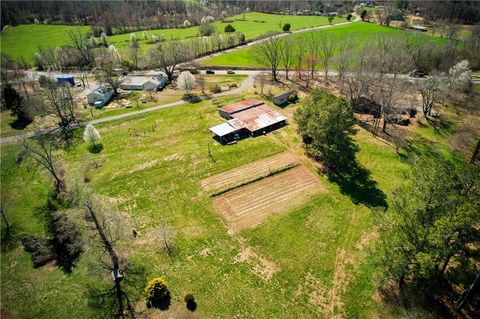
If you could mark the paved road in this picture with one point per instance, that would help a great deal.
(248, 83)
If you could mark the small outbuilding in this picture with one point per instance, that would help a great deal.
(282, 98)
(99, 96)
(418, 28)
(147, 83)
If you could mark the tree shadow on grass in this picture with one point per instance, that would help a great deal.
(356, 182)
(95, 148)
(20, 124)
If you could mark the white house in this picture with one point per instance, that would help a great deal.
(99, 96)
(148, 83)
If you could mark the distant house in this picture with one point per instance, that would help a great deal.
(418, 28)
(247, 118)
(99, 96)
(282, 98)
(66, 79)
(147, 83)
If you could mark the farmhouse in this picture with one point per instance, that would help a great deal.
(99, 96)
(247, 118)
(148, 83)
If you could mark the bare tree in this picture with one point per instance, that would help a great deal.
(60, 104)
(105, 73)
(344, 59)
(79, 41)
(326, 51)
(168, 55)
(201, 82)
(167, 238)
(301, 43)
(392, 59)
(42, 152)
(287, 54)
(362, 76)
(429, 90)
(121, 299)
(262, 80)
(268, 55)
(312, 46)
(133, 51)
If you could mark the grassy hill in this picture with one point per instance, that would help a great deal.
(23, 40)
(361, 31)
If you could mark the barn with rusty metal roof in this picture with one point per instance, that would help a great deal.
(247, 118)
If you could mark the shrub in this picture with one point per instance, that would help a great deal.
(229, 28)
(286, 27)
(40, 250)
(206, 29)
(157, 293)
(363, 14)
(215, 89)
(349, 17)
(191, 97)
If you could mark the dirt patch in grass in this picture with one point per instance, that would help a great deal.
(228, 180)
(250, 205)
(261, 266)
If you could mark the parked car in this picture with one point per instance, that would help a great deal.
(230, 72)
(210, 72)
(417, 74)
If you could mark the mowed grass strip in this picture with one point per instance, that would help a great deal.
(248, 206)
(361, 32)
(23, 40)
(233, 178)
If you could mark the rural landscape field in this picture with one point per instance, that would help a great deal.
(234, 159)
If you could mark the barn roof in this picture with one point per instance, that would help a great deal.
(223, 129)
(259, 117)
(239, 106)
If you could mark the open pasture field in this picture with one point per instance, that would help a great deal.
(310, 261)
(248, 173)
(362, 32)
(249, 205)
(24, 40)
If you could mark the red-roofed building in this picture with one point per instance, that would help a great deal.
(248, 118)
(228, 110)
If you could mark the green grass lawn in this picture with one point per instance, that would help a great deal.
(361, 31)
(24, 40)
(320, 248)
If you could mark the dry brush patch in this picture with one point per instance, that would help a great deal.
(250, 205)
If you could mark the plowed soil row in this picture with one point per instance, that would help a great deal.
(238, 176)
(250, 205)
